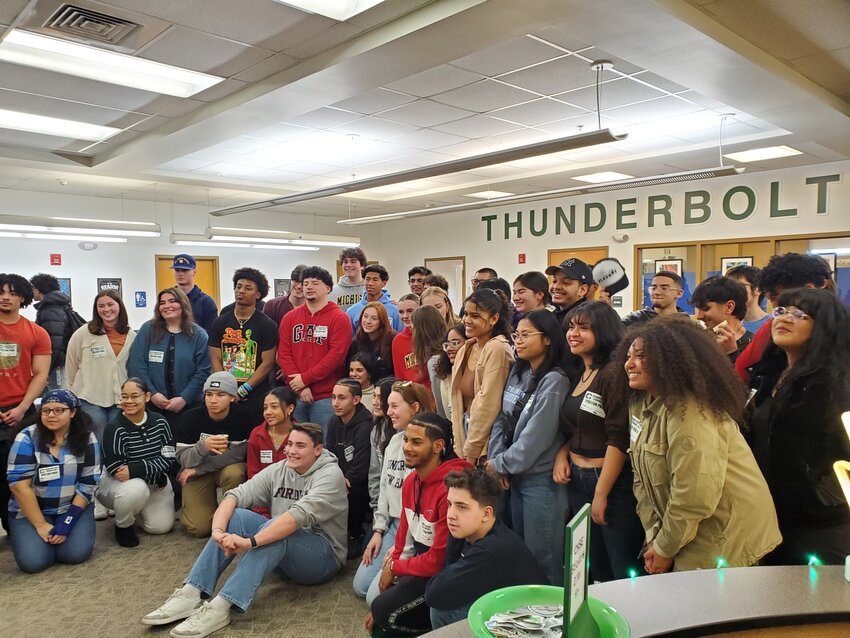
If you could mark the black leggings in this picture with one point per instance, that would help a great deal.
(402, 609)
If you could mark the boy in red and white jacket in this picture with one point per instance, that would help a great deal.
(420, 546)
(312, 347)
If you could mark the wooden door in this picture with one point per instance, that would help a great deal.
(206, 275)
(590, 256)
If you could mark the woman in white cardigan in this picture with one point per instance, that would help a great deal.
(96, 359)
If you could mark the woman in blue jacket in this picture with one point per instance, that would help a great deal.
(525, 438)
(170, 355)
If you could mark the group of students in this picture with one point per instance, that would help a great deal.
(462, 444)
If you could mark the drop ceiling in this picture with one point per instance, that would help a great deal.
(308, 102)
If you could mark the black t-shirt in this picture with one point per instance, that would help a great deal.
(197, 424)
(242, 346)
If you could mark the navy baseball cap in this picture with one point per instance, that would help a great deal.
(183, 262)
(573, 268)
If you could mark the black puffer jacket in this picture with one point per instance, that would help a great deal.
(52, 316)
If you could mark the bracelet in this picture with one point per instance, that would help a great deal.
(253, 540)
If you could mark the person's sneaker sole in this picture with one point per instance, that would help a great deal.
(167, 621)
(224, 623)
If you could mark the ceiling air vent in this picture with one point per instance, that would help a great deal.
(92, 25)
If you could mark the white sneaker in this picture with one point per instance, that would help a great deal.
(100, 512)
(176, 607)
(202, 622)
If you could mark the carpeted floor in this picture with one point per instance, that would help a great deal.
(108, 595)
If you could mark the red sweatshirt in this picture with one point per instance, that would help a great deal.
(753, 352)
(404, 363)
(315, 346)
(261, 454)
(420, 543)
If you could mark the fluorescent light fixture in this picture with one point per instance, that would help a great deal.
(72, 226)
(252, 235)
(604, 176)
(221, 244)
(830, 251)
(637, 182)
(80, 60)
(56, 126)
(337, 9)
(766, 153)
(488, 194)
(111, 240)
(103, 221)
(557, 145)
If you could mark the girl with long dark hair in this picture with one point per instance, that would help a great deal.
(429, 330)
(802, 386)
(440, 370)
(363, 368)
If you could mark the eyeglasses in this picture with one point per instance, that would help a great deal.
(453, 344)
(665, 288)
(523, 336)
(56, 411)
(794, 315)
(414, 280)
(131, 397)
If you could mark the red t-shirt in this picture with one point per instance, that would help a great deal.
(19, 343)
(261, 454)
(404, 363)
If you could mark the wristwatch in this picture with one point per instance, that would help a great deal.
(253, 540)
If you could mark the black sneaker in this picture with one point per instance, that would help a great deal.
(355, 548)
(126, 536)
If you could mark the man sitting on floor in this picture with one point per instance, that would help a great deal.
(305, 538)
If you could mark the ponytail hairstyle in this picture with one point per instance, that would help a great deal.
(494, 302)
(382, 425)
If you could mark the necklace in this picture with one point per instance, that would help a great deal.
(242, 322)
(585, 379)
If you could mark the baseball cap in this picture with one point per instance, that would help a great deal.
(183, 262)
(573, 268)
(222, 382)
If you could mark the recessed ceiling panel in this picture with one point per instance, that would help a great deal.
(425, 113)
(556, 76)
(508, 56)
(374, 101)
(611, 94)
(484, 96)
(477, 126)
(437, 80)
(537, 112)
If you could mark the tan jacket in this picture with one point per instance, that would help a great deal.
(700, 493)
(93, 371)
(491, 374)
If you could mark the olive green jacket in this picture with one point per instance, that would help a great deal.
(700, 493)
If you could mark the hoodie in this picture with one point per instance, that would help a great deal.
(316, 499)
(420, 543)
(404, 362)
(350, 444)
(52, 316)
(345, 294)
(314, 346)
(356, 310)
(393, 472)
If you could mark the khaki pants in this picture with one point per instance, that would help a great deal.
(200, 500)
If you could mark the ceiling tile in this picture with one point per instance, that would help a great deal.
(653, 110)
(508, 56)
(280, 132)
(477, 126)
(220, 90)
(374, 128)
(40, 105)
(520, 137)
(183, 165)
(264, 68)
(831, 70)
(593, 54)
(427, 139)
(324, 40)
(323, 118)
(9, 10)
(484, 96)
(436, 80)
(374, 101)
(659, 82)
(588, 122)
(9, 137)
(537, 112)
(425, 113)
(611, 94)
(468, 149)
(174, 107)
(556, 76)
(561, 36)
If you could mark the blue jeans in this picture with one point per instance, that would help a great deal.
(443, 617)
(367, 576)
(303, 557)
(34, 555)
(539, 515)
(318, 412)
(614, 547)
(100, 416)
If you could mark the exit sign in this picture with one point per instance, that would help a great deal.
(521, 258)
(55, 259)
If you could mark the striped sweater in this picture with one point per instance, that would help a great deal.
(146, 449)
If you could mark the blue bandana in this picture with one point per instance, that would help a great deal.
(65, 397)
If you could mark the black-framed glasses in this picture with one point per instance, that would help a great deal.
(56, 411)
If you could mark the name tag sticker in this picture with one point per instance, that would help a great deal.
(156, 356)
(592, 403)
(169, 451)
(320, 332)
(635, 429)
(49, 473)
(98, 352)
(349, 453)
(266, 456)
(8, 349)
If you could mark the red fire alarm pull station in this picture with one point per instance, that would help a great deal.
(521, 259)
(55, 259)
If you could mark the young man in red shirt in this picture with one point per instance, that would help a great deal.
(24, 365)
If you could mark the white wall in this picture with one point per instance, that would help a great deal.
(409, 242)
(133, 262)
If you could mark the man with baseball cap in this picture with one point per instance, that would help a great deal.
(572, 281)
(204, 310)
(212, 445)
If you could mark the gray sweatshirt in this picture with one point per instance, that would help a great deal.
(393, 473)
(346, 294)
(197, 456)
(316, 499)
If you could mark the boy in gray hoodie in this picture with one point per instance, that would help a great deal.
(305, 538)
(349, 289)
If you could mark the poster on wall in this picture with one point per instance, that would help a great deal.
(65, 286)
(282, 287)
(670, 265)
(726, 263)
(109, 284)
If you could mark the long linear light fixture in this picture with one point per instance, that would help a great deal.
(254, 235)
(560, 144)
(51, 226)
(80, 60)
(61, 237)
(668, 178)
(56, 126)
(203, 240)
